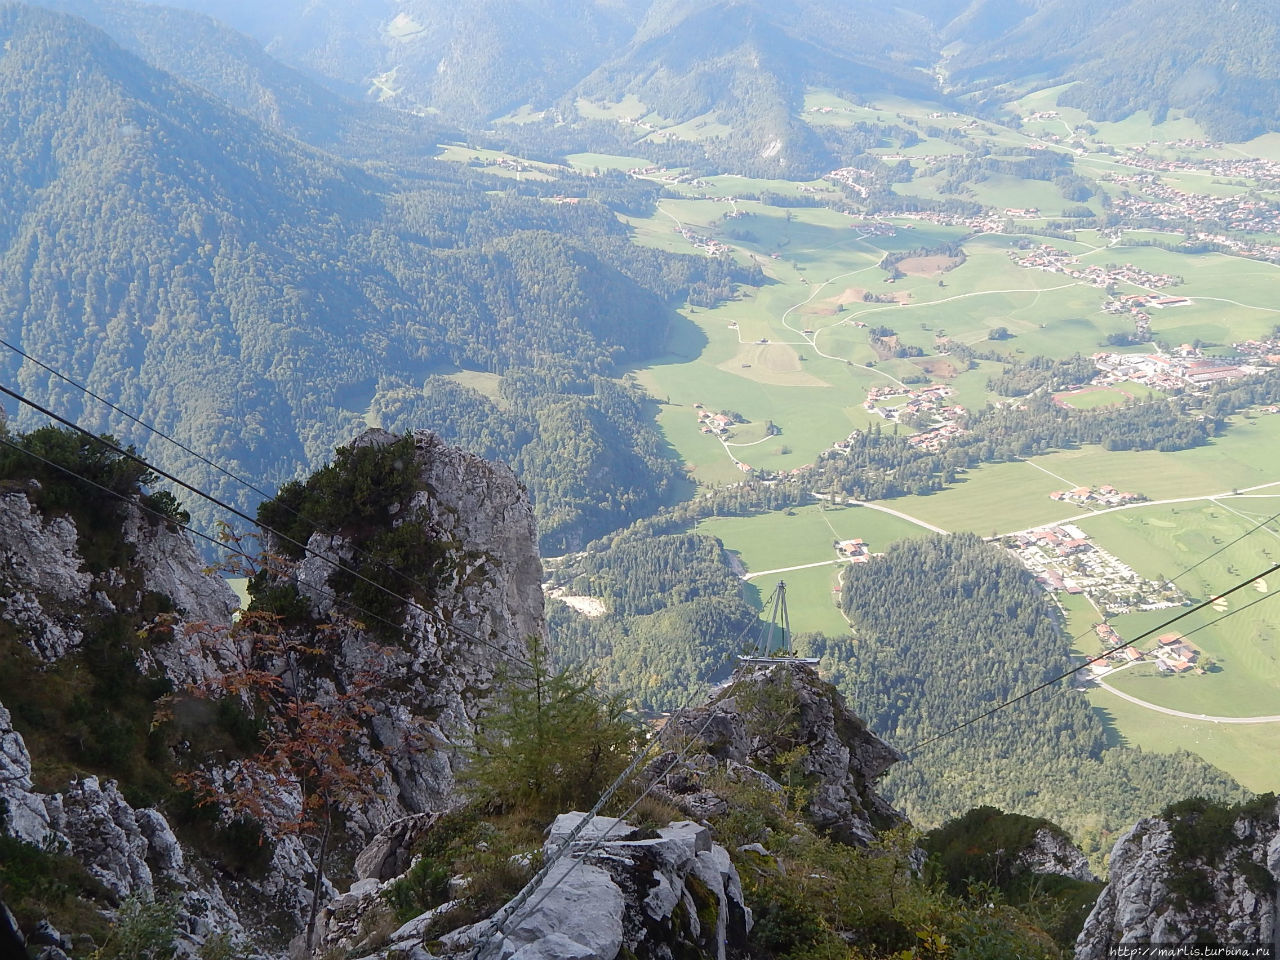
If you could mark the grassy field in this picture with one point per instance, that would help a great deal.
(805, 535)
(1093, 399)
(605, 161)
(1206, 547)
(1247, 752)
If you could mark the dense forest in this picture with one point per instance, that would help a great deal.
(249, 295)
(676, 616)
(1215, 62)
(946, 628)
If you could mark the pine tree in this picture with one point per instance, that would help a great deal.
(548, 744)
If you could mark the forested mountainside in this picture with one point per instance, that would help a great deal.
(1215, 60)
(233, 67)
(747, 64)
(253, 296)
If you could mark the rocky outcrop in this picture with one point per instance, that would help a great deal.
(47, 592)
(455, 644)
(1188, 880)
(25, 816)
(1051, 851)
(775, 721)
(389, 854)
(618, 892)
(41, 577)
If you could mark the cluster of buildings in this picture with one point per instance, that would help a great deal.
(1173, 653)
(1105, 495)
(1065, 560)
(715, 423)
(856, 551)
(1264, 351)
(929, 402)
(982, 223)
(935, 438)
(873, 228)
(708, 245)
(1242, 168)
(1245, 213)
(929, 399)
(1050, 258)
(850, 177)
(1173, 373)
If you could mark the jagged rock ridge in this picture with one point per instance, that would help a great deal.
(450, 650)
(1200, 874)
(768, 718)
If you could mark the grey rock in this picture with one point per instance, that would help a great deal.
(46, 934)
(488, 602)
(389, 853)
(1051, 852)
(104, 835)
(171, 565)
(618, 890)
(841, 757)
(27, 819)
(1138, 904)
(41, 575)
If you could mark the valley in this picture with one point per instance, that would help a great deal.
(866, 303)
(889, 303)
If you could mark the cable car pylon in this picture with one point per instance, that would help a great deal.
(780, 625)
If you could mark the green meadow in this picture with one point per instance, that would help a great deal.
(1206, 547)
(806, 535)
(1246, 751)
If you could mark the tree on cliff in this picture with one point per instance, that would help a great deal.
(314, 761)
(548, 744)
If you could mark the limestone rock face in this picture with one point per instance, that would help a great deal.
(618, 892)
(389, 853)
(26, 817)
(473, 622)
(1051, 852)
(759, 723)
(47, 593)
(1153, 896)
(41, 576)
(169, 564)
(453, 646)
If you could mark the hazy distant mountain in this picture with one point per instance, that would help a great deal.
(235, 68)
(469, 60)
(750, 60)
(1218, 60)
(250, 294)
(750, 63)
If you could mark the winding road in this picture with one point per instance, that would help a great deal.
(1182, 713)
(1145, 503)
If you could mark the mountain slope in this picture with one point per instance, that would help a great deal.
(468, 61)
(1214, 59)
(248, 293)
(749, 64)
(227, 64)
